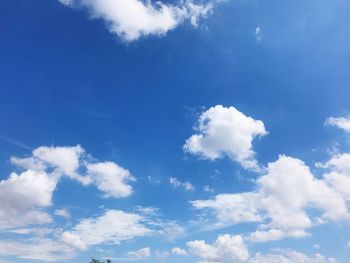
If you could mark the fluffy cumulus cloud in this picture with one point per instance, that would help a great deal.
(338, 173)
(340, 122)
(280, 202)
(226, 131)
(64, 159)
(23, 197)
(114, 226)
(110, 178)
(226, 248)
(133, 19)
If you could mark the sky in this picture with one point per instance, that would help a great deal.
(212, 131)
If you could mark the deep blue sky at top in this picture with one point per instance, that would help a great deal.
(65, 80)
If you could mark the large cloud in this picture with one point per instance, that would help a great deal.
(135, 18)
(226, 131)
(280, 202)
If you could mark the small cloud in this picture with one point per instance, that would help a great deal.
(316, 246)
(208, 189)
(179, 251)
(63, 213)
(66, 2)
(178, 184)
(258, 33)
(140, 254)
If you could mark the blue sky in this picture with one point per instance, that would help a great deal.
(179, 131)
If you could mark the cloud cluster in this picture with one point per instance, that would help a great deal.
(228, 132)
(281, 201)
(112, 228)
(74, 163)
(26, 196)
(177, 183)
(232, 249)
(133, 19)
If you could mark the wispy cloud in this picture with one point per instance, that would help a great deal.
(15, 142)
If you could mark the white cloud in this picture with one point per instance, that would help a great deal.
(114, 226)
(179, 251)
(226, 248)
(66, 2)
(338, 176)
(29, 163)
(208, 189)
(258, 34)
(111, 179)
(316, 246)
(111, 228)
(341, 123)
(66, 160)
(232, 208)
(133, 19)
(73, 241)
(232, 249)
(35, 231)
(36, 249)
(177, 183)
(279, 204)
(108, 177)
(62, 212)
(140, 254)
(57, 161)
(289, 256)
(23, 196)
(226, 131)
